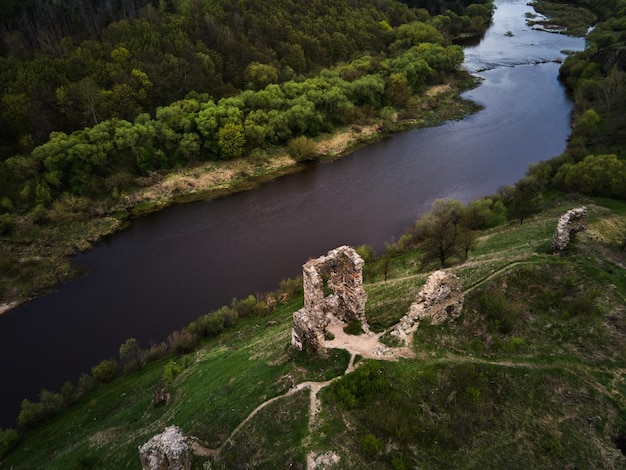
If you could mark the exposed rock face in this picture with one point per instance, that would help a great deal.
(342, 272)
(440, 299)
(170, 450)
(570, 223)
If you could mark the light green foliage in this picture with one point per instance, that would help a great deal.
(258, 76)
(231, 140)
(302, 148)
(105, 371)
(598, 175)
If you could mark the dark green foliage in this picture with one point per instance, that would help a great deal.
(443, 233)
(105, 371)
(354, 327)
(130, 354)
(501, 315)
(33, 413)
(9, 438)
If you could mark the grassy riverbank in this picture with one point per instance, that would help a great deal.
(35, 257)
(530, 375)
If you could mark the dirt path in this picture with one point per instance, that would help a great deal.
(368, 346)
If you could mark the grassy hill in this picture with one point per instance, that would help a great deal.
(531, 375)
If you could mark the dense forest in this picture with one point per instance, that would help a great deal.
(99, 99)
(74, 64)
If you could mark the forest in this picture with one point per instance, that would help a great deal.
(593, 162)
(101, 98)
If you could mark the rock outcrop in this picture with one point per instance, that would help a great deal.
(170, 450)
(570, 223)
(341, 272)
(441, 299)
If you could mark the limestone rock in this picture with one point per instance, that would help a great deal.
(570, 223)
(341, 271)
(441, 299)
(170, 450)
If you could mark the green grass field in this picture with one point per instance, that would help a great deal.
(531, 375)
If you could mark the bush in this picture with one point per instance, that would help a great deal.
(501, 315)
(85, 384)
(105, 371)
(210, 324)
(370, 444)
(6, 223)
(182, 341)
(8, 440)
(249, 307)
(130, 354)
(302, 149)
(32, 413)
(291, 286)
(156, 351)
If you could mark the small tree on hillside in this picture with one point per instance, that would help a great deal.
(523, 199)
(440, 232)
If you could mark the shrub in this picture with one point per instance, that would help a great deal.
(6, 223)
(291, 286)
(370, 444)
(130, 354)
(69, 393)
(85, 384)
(32, 413)
(156, 351)
(248, 307)
(501, 315)
(302, 149)
(8, 440)
(182, 341)
(105, 371)
(354, 327)
(210, 324)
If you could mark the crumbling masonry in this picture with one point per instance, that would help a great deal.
(572, 222)
(342, 272)
(441, 299)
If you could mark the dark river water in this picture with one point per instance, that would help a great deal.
(170, 267)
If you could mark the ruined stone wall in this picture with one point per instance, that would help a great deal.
(341, 270)
(570, 223)
(170, 450)
(440, 299)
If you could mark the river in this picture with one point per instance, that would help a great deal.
(170, 267)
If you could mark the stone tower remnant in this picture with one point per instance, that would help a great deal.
(341, 272)
(570, 223)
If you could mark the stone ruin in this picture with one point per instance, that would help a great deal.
(570, 223)
(341, 271)
(439, 300)
(170, 450)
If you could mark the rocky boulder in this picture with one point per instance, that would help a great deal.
(170, 450)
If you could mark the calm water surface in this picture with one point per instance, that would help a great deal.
(170, 267)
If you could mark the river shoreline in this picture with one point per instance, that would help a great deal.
(214, 180)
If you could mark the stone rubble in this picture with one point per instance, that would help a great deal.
(570, 223)
(441, 299)
(342, 271)
(170, 450)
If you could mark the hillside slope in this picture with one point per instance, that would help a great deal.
(530, 375)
